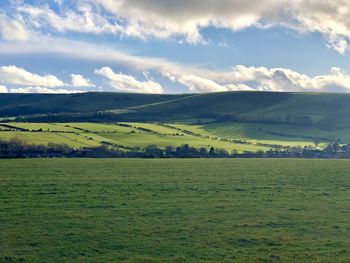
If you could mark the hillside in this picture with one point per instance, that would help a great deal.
(326, 111)
(234, 121)
(26, 104)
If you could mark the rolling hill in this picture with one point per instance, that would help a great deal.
(27, 104)
(324, 110)
(243, 121)
(328, 111)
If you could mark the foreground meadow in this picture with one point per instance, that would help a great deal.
(182, 210)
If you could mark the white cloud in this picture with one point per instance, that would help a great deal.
(20, 76)
(265, 79)
(186, 18)
(3, 89)
(80, 81)
(195, 78)
(82, 50)
(199, 84)
(83, 19)
(128, 83)
(182, 19)
(43, 90)
(12, 29)
(164, 19)
(35, 83)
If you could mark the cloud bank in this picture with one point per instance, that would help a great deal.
(121, 82)
(28, 82)
(195, 79)
(184, 19)
(264, 79)
(187, 17)
(43, 90)
(20, 76)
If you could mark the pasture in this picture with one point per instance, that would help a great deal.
(180, 210)
(230, 136)
(126, 135)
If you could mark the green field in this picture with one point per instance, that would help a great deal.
(226, 135)
(218, 210)
(129, 135)
(264, 132)
(250, 132)
(234, 121)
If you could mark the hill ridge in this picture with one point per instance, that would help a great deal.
(325, 110)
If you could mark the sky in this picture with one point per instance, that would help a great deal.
(174, 46)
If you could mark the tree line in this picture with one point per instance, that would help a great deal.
(101, 116)
(17, 148)
(71, 117)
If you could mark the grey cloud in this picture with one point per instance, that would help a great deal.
(185, 18)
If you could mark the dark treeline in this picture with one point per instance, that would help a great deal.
(333, 150)
(112, 117)
(17, 148)
(71, 117)
(13, 128)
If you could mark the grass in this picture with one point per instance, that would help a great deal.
(22, 104)
(262, 132)
(44, 138)
(327, 110)
(44, 126)
(217, 210)
(155, 127)
(98, 127)
(137, 135)
(143, 140)
(288, 134)
(250, 132)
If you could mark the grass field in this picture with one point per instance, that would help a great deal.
(241, 131)
(240, 121)
(226, 135)
(43, 138)
(51, 127)
(137, 134)
(264, 132)
(218, 210)
(125, 134)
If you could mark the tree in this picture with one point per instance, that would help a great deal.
(153, 151)
(203, 152)
(211, 151)
(169, 150)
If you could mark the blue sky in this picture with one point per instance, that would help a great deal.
(164, 46)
